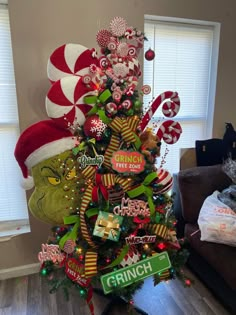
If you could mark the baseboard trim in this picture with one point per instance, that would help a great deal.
(20, 271)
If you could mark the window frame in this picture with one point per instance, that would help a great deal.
(12, 227)
(215, 26)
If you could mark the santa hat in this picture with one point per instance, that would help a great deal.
(39, 142)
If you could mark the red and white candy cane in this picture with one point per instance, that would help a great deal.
(169, 131)
(169, 109)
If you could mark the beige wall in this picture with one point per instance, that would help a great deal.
(39, 26)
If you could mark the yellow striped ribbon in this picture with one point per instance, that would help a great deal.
(158, 229)
(90, 265)
(108, 180)
(121, 126)
(112, 147)
(89, 172)
(165, 275)
(84, 204)
(126, 128)
(123, 182)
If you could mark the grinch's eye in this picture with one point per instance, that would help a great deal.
(71, 174)
(54, 180)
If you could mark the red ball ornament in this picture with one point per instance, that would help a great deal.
(149, 54)
(188, 282)
(94, 127)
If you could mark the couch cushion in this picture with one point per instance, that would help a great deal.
(195, 184)
(221, 257)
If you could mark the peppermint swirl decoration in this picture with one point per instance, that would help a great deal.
(118, 26)
(146, 89)
(103, 37)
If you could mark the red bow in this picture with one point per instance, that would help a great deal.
(99, 187)
(140, 223)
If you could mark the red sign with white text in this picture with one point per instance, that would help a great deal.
(75, 271)
(128, 162)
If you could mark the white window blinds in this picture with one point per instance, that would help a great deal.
(183, 63)
(13, 206)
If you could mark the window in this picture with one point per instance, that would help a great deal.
(186, 62)
(13, 205)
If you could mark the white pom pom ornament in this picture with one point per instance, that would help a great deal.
(27, 183)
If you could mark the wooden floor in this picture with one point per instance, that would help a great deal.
(29, 296)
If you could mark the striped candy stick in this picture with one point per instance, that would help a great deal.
(170, 109)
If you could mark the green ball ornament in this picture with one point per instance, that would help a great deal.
(82, 292)
(130, 112)
(44, 272)
(137, 104)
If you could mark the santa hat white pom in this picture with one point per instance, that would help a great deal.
(40, 142)
(27, 183)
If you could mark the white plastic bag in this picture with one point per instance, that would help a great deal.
(217, 222)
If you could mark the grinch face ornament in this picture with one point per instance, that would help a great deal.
(57, 188)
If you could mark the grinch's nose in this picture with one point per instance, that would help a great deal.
(66, 188)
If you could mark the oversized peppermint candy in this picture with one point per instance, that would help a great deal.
(65, 101)
(169, 131)
(70, 59)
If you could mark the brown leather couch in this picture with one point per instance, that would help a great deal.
(215, 264)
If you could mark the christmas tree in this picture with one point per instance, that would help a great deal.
(94, 169)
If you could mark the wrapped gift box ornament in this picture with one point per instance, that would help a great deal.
(107, 226)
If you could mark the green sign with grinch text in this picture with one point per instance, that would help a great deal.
(141, 270)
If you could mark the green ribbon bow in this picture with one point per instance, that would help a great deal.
(83, 145)
(96, 100)
(70, 235)
(144, 189)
